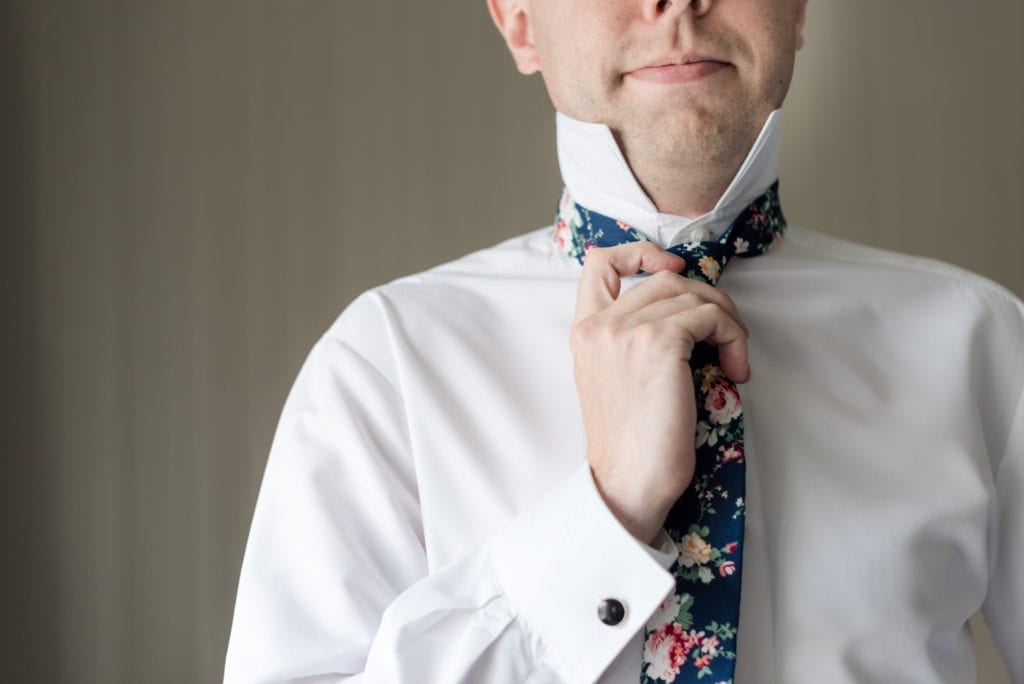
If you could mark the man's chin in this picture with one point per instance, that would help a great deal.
(688, 120)
(693, 133)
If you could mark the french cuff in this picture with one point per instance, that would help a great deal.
(663, 549)
(564, 562)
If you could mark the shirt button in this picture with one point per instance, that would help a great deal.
(700, 235)
(611, 611)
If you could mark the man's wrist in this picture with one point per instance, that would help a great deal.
(644, 522)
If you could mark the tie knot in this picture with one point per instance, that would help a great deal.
(753, 232)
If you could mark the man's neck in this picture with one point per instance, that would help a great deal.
(685, 184)
(688, 193)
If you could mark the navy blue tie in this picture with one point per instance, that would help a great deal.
(692, 636)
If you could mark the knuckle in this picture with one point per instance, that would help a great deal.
(727, 302)
(646, 332)
(595, 256)
(581, 331)
(710, 309)
(595, 331)
(691, 300)
(672, 283)
(686, 285)
(613, 327)
(644, 337)
(627, 248)
(664, 277)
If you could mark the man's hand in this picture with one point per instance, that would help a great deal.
(631, 362)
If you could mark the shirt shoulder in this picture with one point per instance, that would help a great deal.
(802, 244)
(531, 254)
(387, 321)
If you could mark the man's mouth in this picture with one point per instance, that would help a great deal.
(687, 69)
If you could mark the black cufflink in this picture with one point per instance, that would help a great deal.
(611, 611)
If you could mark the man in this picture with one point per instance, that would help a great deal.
(480, 471)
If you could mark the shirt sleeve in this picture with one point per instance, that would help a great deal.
(1004, 602)
(336, 584)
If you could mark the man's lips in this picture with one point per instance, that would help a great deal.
(684, 72)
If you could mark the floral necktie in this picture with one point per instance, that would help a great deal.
(692, 636)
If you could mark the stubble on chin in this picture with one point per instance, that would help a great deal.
(698, 143)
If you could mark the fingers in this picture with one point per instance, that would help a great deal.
(604, 269)
(667, 311)
(666, 326)
(668, 285)
(711, 324)
(666, 332)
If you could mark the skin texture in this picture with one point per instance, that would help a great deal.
(684, 142)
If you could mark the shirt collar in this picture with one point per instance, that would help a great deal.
(598, 177)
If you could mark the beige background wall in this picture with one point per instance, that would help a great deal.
(192, 190)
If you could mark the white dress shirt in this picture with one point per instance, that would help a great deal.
(427, 514)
